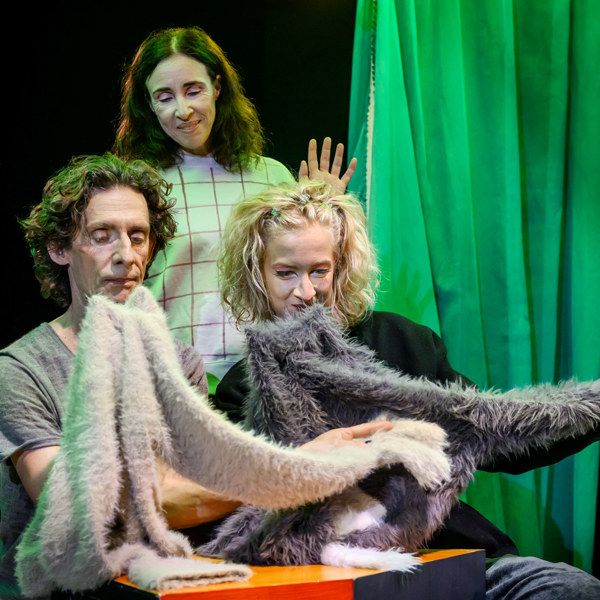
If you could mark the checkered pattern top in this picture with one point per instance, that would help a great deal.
(183, 278)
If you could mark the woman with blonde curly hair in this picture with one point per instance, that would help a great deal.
(291, 246)
(344, 277)
(282, 251)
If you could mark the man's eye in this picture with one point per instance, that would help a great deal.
(138, 238)
(100, 236)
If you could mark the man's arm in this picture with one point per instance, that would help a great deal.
(33, 467)
(184, 502)
(187, 504)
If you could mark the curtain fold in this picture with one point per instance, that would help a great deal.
(477, 131)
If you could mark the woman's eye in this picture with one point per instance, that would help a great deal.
(194, 91)
(320, 272)
(284, 274)
(163, 98)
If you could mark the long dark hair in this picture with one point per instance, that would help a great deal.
(237, 136)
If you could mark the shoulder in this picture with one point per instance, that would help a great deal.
(34, 374)
(405, 345)
(192, 365)
(272, 163)
(379, 326)
(41, 330)
(37, 346)
(272, 170)
(38, 359)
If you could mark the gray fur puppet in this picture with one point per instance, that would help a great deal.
(307, 376)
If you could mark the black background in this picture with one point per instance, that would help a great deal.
(61, 70)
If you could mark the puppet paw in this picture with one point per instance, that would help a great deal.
(420, 446)
(340, 555)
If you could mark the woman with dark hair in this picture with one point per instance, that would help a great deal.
(184, 111)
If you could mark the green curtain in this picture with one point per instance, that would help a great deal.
(477, 128)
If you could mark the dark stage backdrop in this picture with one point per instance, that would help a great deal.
(61, 74)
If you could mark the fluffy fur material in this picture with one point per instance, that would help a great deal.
(307, 376)
(99, 515)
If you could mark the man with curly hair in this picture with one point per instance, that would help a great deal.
(99, 225)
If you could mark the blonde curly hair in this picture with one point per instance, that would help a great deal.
(257, 219)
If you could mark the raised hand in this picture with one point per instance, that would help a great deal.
(314, 168)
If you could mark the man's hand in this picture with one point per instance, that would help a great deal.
(315, 169)
(345, 436)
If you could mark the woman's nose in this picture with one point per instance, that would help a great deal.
(182, 108)
(305, 290)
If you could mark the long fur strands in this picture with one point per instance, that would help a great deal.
(306, 376)
(99, 514)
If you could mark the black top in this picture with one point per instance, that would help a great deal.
(402, 344)
(418, 351)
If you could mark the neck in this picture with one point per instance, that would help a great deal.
(67, 328)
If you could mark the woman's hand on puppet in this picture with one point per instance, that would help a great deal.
(345, 436)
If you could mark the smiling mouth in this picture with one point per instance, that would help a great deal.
(188, 127)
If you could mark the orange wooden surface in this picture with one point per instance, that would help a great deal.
(313, 582)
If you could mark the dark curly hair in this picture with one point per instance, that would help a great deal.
(236, 138)
(56, 220)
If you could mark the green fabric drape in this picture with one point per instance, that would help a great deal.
(477, 129)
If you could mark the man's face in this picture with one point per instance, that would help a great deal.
(110, 252)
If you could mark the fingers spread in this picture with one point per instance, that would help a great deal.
(303, 171)
(349, 172)
(325, 154)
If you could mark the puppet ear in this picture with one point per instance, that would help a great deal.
(58, 254)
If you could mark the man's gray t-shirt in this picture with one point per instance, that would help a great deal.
(34, 373)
